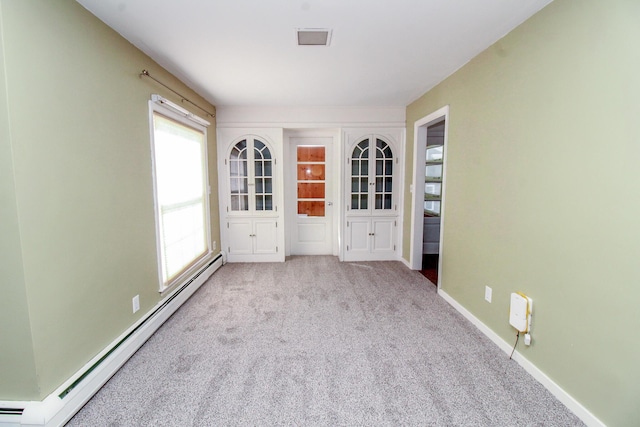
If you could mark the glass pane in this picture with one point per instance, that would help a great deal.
(378, 201)
(239, 202)
(180, 179)
(268, 185)
(259, 171)
(363, 201)
(259, 203)
(364, 167)
(432, 188)
(433, 171)
(357, 152)
(235, 203)
(432, 208)
(387, 201)
(238, 185)
(267, 168)
(388, 185)
(310, 154)
(311, 190)
(379, 167)
(311, 208)
(259, 186)
(313, 172)
(354, 201)
(239, 151)
(379, 188)
(388, 168)
(355, 166)
(354, 185)
(268, 203)
(434, 153)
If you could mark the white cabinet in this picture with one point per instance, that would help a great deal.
(371, 238)
(249, 236)
(371, 219)
(250, 194)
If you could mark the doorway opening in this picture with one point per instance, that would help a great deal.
(430, 136)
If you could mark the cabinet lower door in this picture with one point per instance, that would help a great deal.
(383, 235)
(359, 236)
(265, 237)
(240, 237)
(370, 239)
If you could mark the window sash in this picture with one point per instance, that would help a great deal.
(181, 194)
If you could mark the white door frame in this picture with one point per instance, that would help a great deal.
(291, 180)
(417, 205)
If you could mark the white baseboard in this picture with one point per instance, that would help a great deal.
(55, 410)
(572, 404)
(405, 262)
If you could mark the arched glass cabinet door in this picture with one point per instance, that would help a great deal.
(383, 176)
(251, 176)
(360, 176)
(239, 177)
(263, 176)
(372, 188)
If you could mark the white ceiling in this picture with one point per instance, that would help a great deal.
(245, 52)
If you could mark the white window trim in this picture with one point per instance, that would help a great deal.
(162, 106)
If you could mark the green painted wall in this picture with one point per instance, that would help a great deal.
(83, 197)
(543, 194)
(17, 365)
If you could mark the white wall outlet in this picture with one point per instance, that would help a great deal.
(136, 303)
(487, 293)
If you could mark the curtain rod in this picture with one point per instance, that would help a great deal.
(145, 73)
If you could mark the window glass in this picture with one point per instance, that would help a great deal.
(181, 196)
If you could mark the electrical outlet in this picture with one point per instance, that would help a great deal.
(487, 293)
(136, 303)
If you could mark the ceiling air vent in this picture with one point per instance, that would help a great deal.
(313, 36)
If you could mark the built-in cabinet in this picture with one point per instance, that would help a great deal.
(250, 199)
(254, 205)
(249, 236)
(371, 192)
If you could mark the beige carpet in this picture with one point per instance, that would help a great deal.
(313, 341)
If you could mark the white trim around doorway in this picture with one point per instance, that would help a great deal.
(417, 205)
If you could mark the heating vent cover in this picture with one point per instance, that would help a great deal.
(313, 36)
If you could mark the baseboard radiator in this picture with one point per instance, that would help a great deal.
(61, 405)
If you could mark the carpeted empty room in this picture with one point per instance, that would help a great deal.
(313, 341)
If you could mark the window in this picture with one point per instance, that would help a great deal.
(181, 193)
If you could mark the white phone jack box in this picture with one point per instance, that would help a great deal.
(520, 312)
